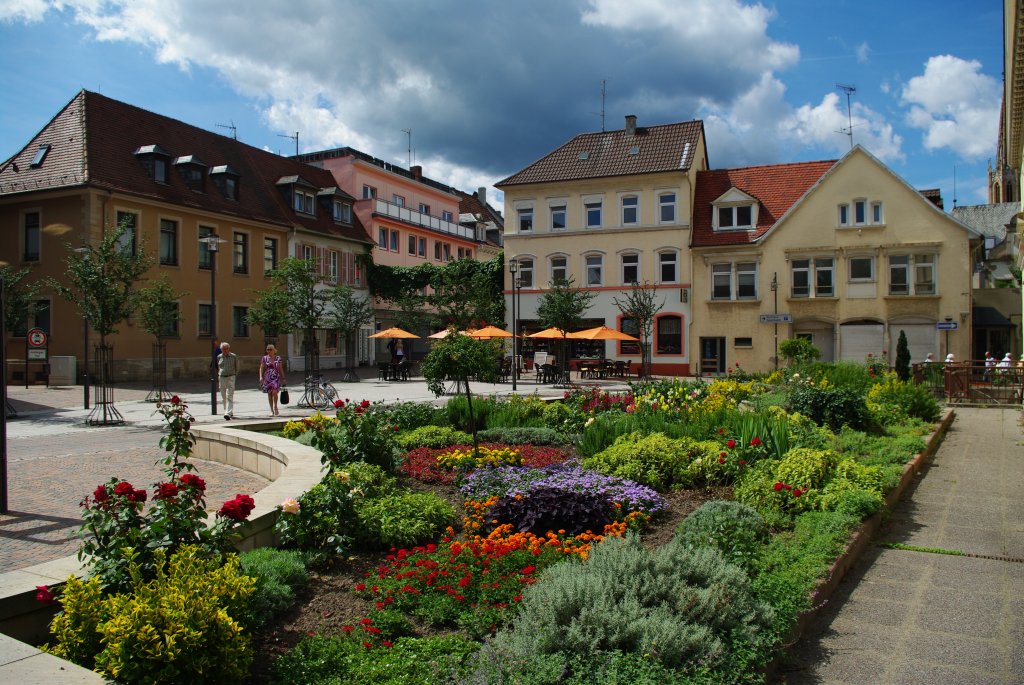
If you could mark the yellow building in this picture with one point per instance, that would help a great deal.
(100, 163)
(845, 253)
(608, 210)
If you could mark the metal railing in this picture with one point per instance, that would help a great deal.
(973, 382)
(420, 219)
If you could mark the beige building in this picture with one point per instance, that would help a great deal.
(843, 253)
(100, 163)
(1011, 133)
(608, 210)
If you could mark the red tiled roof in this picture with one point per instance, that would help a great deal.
(776, 187)
(93, 141)
(470, 204)
(667, 147)
(934, 195)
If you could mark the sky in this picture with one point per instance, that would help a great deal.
(482, 88)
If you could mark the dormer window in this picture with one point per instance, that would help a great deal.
(226, 180)
(303, 201)
(341, 211)
(192, 170)
(735, 210)
(154, 160)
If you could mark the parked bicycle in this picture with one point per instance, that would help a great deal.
(318, 393)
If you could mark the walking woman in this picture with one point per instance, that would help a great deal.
(272, 378)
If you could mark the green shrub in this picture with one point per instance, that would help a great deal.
(411, 415)
(526, 435)
(798, 351)
(893, 400)
(792, 562)
(363, 434)
(856, 503)
(806, 468)
(833, 406)
(279, 575)
(560, 416)
(654, 460)
(734, 529)
(402, 519)
(179, 627)
(755, 488)
(680, 606)
(852, 375)
(517, 410)
(322, 660)
(456, 410)
(804, 432)
(433, 437)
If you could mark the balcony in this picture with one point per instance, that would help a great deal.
(409, 216)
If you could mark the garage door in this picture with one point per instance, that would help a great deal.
(857, 340)
(921, 339)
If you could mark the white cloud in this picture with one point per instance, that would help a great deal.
(863, 52)
(955, 105)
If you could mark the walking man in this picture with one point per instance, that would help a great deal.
(227, 371)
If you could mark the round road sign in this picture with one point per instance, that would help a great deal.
(37, 337)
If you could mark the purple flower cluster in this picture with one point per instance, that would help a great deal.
(509, 481)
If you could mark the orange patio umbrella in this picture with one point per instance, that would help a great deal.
(489, 332)
(602, 333)
(549, 334)
(393, 333)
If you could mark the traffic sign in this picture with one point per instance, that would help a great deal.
(776, 318)
(37, 337)
(946, 325)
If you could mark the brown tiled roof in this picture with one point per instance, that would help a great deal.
(93, 142)
(776, 187)
(470, 204)
(934, 195)
(667, 147)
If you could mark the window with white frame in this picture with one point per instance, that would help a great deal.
(667, 208)
(924, 274)
(740, 216)
(382, 238)
(369, 192)
(862, 269)
(398, 200)
(860, 212)
(304, 202)
(341, 211)
(129, 221)
(240, 252)
(734, 281)
(669, 334)
(308, 254)
(558, 217)
(668, 266)
(447, 252)
(820, 271)
(630, 268)
(877, 217)
(421, 248)
(844, 215)
(593, 212)
(525, 219)
(526, 272)
(332, 266)
(559, 269)
(630, 210)
(269, 255)
(424, 208)
(594, 269)
(899, 274)
(446, 216)
(394, 240)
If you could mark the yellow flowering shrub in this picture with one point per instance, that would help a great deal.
(316, 422)
(467, 460)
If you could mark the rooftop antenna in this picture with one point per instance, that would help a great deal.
(231, 127)
(295, 138)
(954, 186)
(603, 82)
(408, 133)
(848, 131)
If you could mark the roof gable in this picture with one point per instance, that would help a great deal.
(637, 150)
(732, 196)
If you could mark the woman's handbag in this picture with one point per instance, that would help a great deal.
(284, 399)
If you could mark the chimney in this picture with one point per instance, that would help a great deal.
(417, 171)
(481, 194)
(630, 124)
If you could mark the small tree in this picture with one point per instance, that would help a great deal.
(563, 306)
(640, 305)
(306, 301)
(270, 312)
(159, 316)
(19, 297)
(798, 350)
(902, 357)
(459, 358)
(347, 312)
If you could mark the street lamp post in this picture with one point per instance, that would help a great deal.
(513, 268)
(775, 290)
(85, 348)
(212, 242)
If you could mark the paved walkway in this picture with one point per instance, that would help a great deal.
(55, 458)
(908, 617)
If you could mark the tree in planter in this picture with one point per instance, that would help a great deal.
(269, 311)
(640, 305)
(347, 312)
(159, 316)
(563, 306)
(19, 304)
(458, 358)
(902, 357)
(102, 284)
(306, 302)
(798, 351)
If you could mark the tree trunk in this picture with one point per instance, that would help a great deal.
(472, 419)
